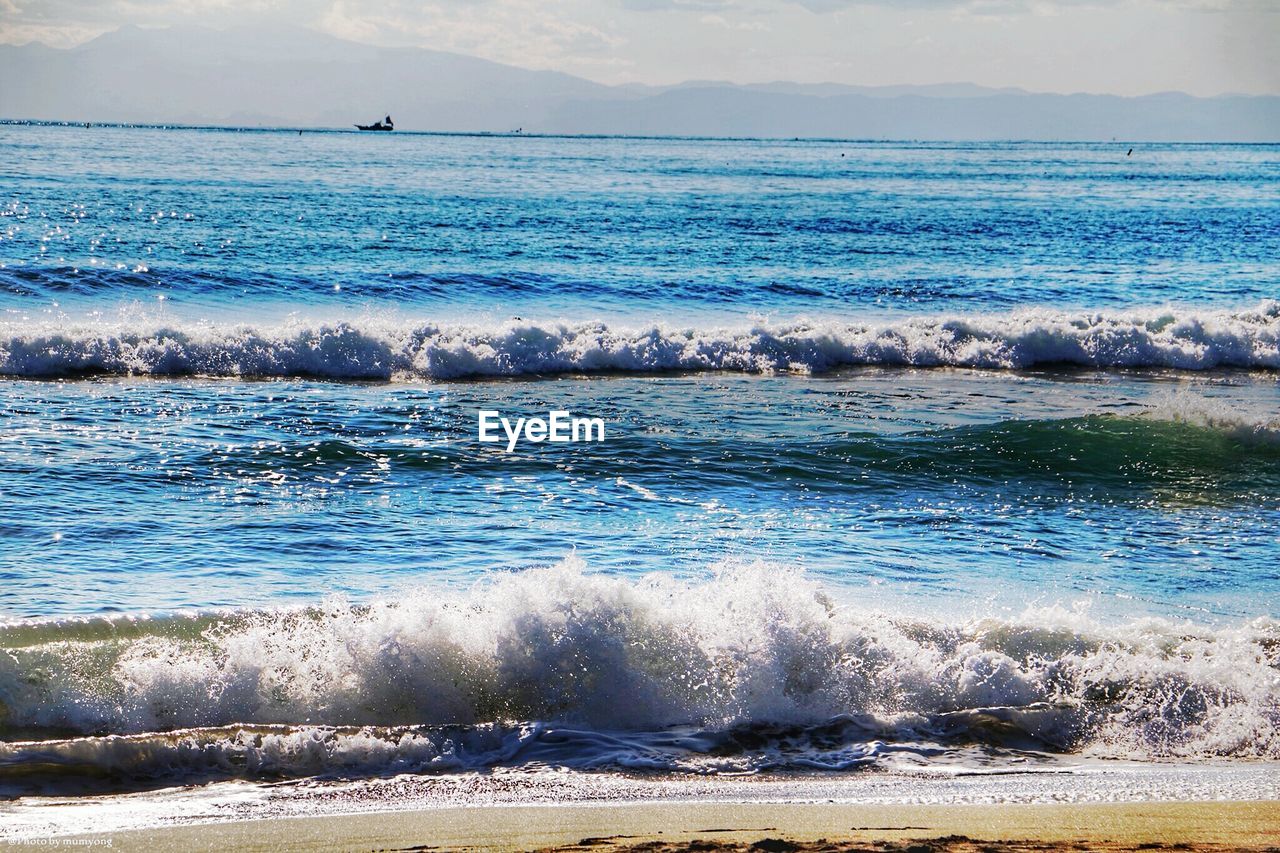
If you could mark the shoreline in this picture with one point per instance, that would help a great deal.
(1205, 825)
(508, 809)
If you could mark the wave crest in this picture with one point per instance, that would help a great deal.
(372, 349)
(752, 646)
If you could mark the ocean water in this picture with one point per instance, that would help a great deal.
(918, 458)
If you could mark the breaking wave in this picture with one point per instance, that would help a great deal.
(375, 349)
(753, 668)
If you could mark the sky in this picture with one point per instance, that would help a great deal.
(1124, 47)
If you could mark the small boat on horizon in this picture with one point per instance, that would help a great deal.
(385, 124)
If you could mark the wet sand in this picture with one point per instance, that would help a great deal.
(1205, 826)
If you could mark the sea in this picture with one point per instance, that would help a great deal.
(930, 472)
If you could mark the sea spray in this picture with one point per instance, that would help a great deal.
(752, 646)
(1184, 339)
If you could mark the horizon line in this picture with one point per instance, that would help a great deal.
(510, 134)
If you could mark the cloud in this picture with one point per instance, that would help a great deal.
(1128, 46)
(111, 14)
(987, 6)
(677, 5)
(724, 23)
(524, 32)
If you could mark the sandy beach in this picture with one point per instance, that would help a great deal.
(731, 826)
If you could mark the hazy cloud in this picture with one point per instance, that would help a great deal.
(532, 33)
(907, 6)
(1122, 46)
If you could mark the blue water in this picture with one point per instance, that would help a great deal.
(602, 227)
(988, 434)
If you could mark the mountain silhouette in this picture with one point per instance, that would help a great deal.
(301, 78)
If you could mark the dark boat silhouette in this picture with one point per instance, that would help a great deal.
(385, 124)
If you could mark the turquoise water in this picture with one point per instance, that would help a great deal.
(941, 447)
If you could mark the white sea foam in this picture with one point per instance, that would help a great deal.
(1242, 425)
(385, 349)
(752, 657)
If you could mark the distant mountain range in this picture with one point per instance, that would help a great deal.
(301, 78)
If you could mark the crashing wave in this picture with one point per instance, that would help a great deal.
(374, 349)
(745, 670)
